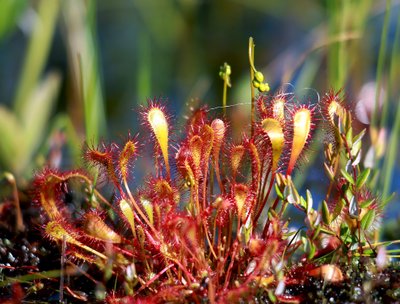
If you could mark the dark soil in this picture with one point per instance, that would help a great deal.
(357, 287)
(30, 253)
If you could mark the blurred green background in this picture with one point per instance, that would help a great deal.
(77, 70)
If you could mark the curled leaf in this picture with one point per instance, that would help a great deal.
(97, 228)
(57, 232)
(236, 158)
(367, 219)
(362, 178)
(125, 156)
(240, 196)
(127, 211)
(273, 129)
(195, 146)
(301, 132)
(326, 216)
(159, 125)
(219, 129)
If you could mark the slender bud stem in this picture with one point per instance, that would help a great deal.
(251, 60)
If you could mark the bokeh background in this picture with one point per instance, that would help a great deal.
(74, 71)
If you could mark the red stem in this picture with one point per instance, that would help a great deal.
(264, 201)
(229, 271)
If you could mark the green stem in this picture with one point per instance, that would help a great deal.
(224, 97)
(251, 60)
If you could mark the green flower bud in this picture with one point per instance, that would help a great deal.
(228, 70)
(259, 76)
(262, 87)
(256, 84)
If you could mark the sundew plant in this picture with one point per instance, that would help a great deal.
(209, 223)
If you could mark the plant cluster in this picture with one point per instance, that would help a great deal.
(209, 223)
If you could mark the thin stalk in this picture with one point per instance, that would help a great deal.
(90, 249)
(196, 198)
(393, 250)
(331, 183)
(229, 271)
(148, 283)
(205, 181)
(224, 94)
(251, 59)
(218, 175)
(385, 243)
(261, 184)
(264, 202)
(30, 277)
(266, 227)
(230, 229)
(210, 244)
(190, 278)
(19, 222)
(138, 210)
(63, 249)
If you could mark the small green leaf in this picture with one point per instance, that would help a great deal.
(362, 178)
(367, 203)
(388, 199)
(289, 234)
(291, 194)
(278, 192)
(367, 219)
(316, 232)
(148, 207)
(309, 201)
(348, 194)
(347, 176)
(329, 172)
(356, 148)
(326, 231)
(358, 137)
(271, 296)
(272, 214)
(286, 191)
(368, 252)
(357, 158)
(349, 137)
(311, 249)
(326, 216)
(338, 209)
(344, 230)
(127, 211)
(303, 204)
